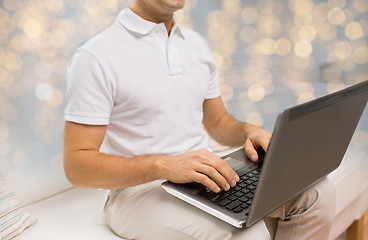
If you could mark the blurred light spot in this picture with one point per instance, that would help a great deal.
(248, 34)
(66, 26)
(331, 73)
(306, 63)
(303, 87)
(255, 118)
(349, 16)
(256, 92)
(282, 46)
(361, 55)
(249, 15)
(216, 18)
(354, 31)
(12, 61)
(307, 33)
(219, 59)
(305, 97)
(4, 17)
(60, 66)
(303, 48)
(6, 78)
(337, 3)
(55, 5)
(320, 11)
(298, 5)
(43, 70)
(231, 6)
(334, 86)
(58, 38)
(11, 5)
(92, 6)
(226, 92)
(361, 5)
(336, 16)
(361, 78)
(245, 102)
(343, 50)
(265, 46)
(303, 17)
(326, 31)
(360, 139)
(269, 24)
(228, 45)
(44, 91)
(33, 28)
(348, 64)
(56, 99)
(16, 44)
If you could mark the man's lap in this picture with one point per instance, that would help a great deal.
(148, 212)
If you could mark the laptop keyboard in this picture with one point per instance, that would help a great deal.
(238, 198)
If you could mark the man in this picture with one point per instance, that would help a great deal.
(138, 94)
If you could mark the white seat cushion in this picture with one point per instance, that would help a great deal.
(74, 214)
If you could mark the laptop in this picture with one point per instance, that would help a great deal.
(308, 142)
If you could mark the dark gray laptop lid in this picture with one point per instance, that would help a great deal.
(309, 141)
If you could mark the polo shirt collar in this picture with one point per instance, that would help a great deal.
(136, 24)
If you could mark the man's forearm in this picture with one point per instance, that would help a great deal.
(231, 132)
(88, 168)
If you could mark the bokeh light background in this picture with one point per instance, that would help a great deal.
(271, 54)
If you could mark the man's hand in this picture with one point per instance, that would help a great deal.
(199, 166)
(258, 138)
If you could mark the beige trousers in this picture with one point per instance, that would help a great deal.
(148, 212)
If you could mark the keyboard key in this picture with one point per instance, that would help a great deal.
(248, 181)
(234, 205)
(243, 199)
(250, 174)
(244, 205)
(224, 202)
(249, 195)
(245, 190)
(232, 197)
(239, 194)
(237, 188)
(251, 187)
(206, 193)
(220, 196)
(255, 178)
(242, 184)
(238, 209)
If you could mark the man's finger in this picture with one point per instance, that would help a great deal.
(250, 150)
(222, 167)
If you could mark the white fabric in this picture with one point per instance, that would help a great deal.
(75, 214)
(351, 183)
(147, 87)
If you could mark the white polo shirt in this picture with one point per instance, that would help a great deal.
(146, 86)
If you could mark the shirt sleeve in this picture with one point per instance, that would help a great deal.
(213, 83)
(88, 97)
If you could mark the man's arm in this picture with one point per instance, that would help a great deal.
(226, 130)
(86, 166)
